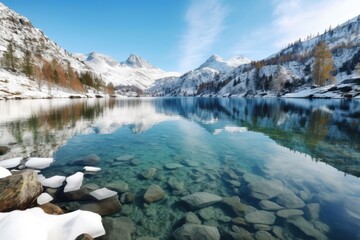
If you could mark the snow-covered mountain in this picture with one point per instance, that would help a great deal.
(285, 72)
(193, 82)
(135, 71)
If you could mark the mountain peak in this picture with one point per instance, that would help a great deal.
(137, 62)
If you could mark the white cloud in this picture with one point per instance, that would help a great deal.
(205, 22)
(294, 19)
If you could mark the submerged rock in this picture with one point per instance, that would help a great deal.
(263, 235)
(240, 233)
(201, 199)
(287, 213)
(105, 207)
(261, 217)
(236, 205)
(268, 205)
(175, 184)
(207, 213)
(190, 163)
(124, 158)
(288, 199)
(265, 189)
(306, 227)
(128, 197)
(118, 228)
(154, 193)
(172, 166)
(148, 174)
(191, 217)
(118, 185)
(312, 211)
(90, 160)
(196, 232)
(19, 191)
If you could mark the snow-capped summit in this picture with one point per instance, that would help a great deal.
(135, 71)
(218, 63)
(137, 62)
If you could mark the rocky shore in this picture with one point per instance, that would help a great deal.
(179, 200)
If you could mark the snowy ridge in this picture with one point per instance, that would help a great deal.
(135, 71)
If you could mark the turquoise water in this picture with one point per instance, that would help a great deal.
(310, 148)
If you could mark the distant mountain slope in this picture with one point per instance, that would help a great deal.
(135, 71)
(287, 71)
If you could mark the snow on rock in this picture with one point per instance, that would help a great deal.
(52, 182)
(11, 163)
(102, 193)
(4, 172)
(38, 163)
(92, 169)
(35, 224)
(74, 182)
(44, 198)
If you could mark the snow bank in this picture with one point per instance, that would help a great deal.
(35, 224)
(52, 182)
(4, 172)
(11, 163)
(92, 169)
(44, 198)
(103, 193)
(38, 163)
(74, 182)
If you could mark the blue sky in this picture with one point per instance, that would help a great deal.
(178, 35)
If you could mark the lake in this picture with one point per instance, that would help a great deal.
(293, 161)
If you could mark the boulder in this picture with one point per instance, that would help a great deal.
(119, 228)
(4, 150)
(306, 227)
(260, 217)
(201, 199)
(154, 193)
(19, 191)
(105, 207)
(148, 173)
(196, 232)
(52, 209)
(287, 213)
(288, 199)
(90, 160)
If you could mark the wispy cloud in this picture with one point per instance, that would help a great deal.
(205, 21)
(294, 19)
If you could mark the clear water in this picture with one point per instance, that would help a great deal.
(311, 147)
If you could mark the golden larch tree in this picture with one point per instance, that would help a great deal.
(323, 66)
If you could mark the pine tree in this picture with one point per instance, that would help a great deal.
(27, 65)
(9, 59)
(323, 66)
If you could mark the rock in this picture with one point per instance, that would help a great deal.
(175, 184)
(322, 227)
(191, 217)
(44, 198)
(172, 166)
(126, 210)
(304, 195)
(233, 183)
(201, 199)
(239, 221)
(105, 207)
(312, 211)
(240, 233)
(102, 193)
(148, 174)
(124, 158)
(287, 213)
(147, 238)
(261, 217)
(4, 150)
(263, 235)
(190, 163)
(288, 199)
(306, 227)
(128, 197)
(262, 227)
(135, 162)
(84, 236)
(207, 213)
(50, 208)
(265, 189)
(118, 185)
(90, 160)
(268, 205)
(235, 204)
(19, 191)
(230, 174)
(154, 193)
(278, 232)
(119, 228)
(250, 177)
(196, 232)
(224, 218)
